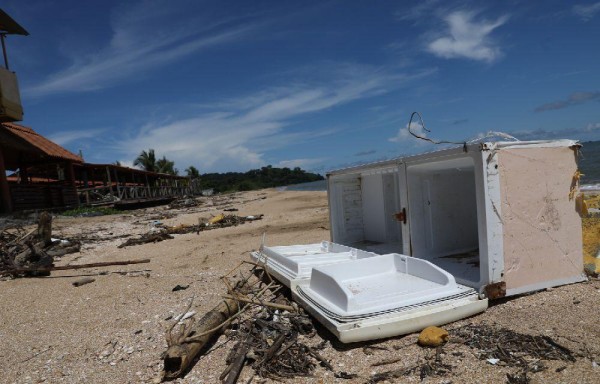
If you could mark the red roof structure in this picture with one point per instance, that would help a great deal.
(18, 141)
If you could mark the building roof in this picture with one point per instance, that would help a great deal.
(9, 26)
(30, 141)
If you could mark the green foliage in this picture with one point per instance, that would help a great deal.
(166, 166)
(91, 211)
(265, 177)
(192, 172)
(146, 160)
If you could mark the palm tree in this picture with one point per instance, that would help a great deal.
(192, 172)
(147, 161)
(166, 166)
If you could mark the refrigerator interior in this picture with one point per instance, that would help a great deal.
(442, 202)
(362, 211)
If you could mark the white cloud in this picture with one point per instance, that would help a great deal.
(302, 163)
(237, 133)
(137, 45)
(66, 137)
(586, 11)
(592, 127)
(403, 133)
(417, 12)
(468, 38)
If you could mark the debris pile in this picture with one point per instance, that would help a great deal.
(159, 232)
(150, 237)
(184, 202)
(431, 366)
(513, 349)
(24, 254)
(31, 253)
(263, 322)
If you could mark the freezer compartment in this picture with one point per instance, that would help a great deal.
(374, 286)
(443, 216)
(290, 264)
(362, 207)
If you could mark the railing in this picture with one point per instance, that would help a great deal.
(108, 194)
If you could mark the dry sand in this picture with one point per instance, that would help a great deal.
(112, 330)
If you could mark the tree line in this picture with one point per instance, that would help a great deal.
(265, 177)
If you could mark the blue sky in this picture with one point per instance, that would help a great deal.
(235, 85)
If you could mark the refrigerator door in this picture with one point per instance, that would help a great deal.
(384, 296)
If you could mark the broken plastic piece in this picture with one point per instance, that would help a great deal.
(216, 219)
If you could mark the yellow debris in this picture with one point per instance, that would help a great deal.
(433, 337)
(581, 205)
(216, 219)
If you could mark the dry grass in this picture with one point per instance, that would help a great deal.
(591, 233)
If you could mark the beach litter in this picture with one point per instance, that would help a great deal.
(84, 281)
(267, 326)
(150, 237)
(31, 253)
(512, 349)
(185, 202)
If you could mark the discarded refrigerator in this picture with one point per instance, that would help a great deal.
(429, 239)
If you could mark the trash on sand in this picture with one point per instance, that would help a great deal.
(180, 287)
(433, 337)
(266, 333)
(32, 253)
(513, 349)
(216, 219)
(147, 238)
(185, 316)
(185, 202)
(84, 281)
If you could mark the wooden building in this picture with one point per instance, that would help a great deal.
(43, 171)
(45, 175)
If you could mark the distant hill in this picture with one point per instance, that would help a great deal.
(589, 162)
(265, 177)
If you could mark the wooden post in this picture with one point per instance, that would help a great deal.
(117, 184)
(5, 199)
(148, 186)
(70, 173)
(110, 188)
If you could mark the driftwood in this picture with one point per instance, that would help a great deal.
(266, 332)
(81, 266)
(184, 348)
(283, 307)
(44, 231)
(31, 253)
(147, 238)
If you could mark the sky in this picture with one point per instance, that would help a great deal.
(237, 85)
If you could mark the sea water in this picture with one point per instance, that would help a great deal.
(589, 165)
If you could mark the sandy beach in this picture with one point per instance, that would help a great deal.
(113, 330)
